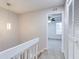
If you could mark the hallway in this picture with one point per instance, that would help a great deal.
(38, 28)
(52, 55)
(54, 51)
(54, 44)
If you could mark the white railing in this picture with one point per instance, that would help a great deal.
(26, 50)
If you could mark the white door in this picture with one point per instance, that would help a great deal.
(73, 29)
(70, 31)
(76, 20)
(76, 41)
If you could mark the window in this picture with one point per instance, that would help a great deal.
(59, 28)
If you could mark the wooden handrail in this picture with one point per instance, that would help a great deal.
(20, 49)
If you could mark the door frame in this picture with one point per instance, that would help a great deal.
(62, 13)
(68, 5)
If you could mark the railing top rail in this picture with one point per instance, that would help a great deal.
(7, 54)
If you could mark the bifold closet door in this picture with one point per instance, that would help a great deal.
(70, 31)
(76, 20)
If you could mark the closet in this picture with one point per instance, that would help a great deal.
(73, 29)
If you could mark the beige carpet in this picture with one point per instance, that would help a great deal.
(54, 44)
(51, 55)
(54, 50)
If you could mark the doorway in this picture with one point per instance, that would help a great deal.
(55, 32)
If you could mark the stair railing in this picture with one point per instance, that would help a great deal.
(27, 50)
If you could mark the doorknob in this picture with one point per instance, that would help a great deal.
(76, 41)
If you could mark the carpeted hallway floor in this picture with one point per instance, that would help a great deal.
(54, 51)
(54, 44)
(52, 55)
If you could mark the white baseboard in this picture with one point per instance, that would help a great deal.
(42, 51)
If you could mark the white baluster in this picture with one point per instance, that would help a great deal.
(27, 50)
(25, 54)
(36, 51)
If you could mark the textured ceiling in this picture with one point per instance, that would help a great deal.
(21, 6)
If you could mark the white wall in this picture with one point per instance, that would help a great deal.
(8, 38)
(35, 24)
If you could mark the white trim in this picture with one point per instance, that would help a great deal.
(69, 2)
(62, 13)
(42, 51)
